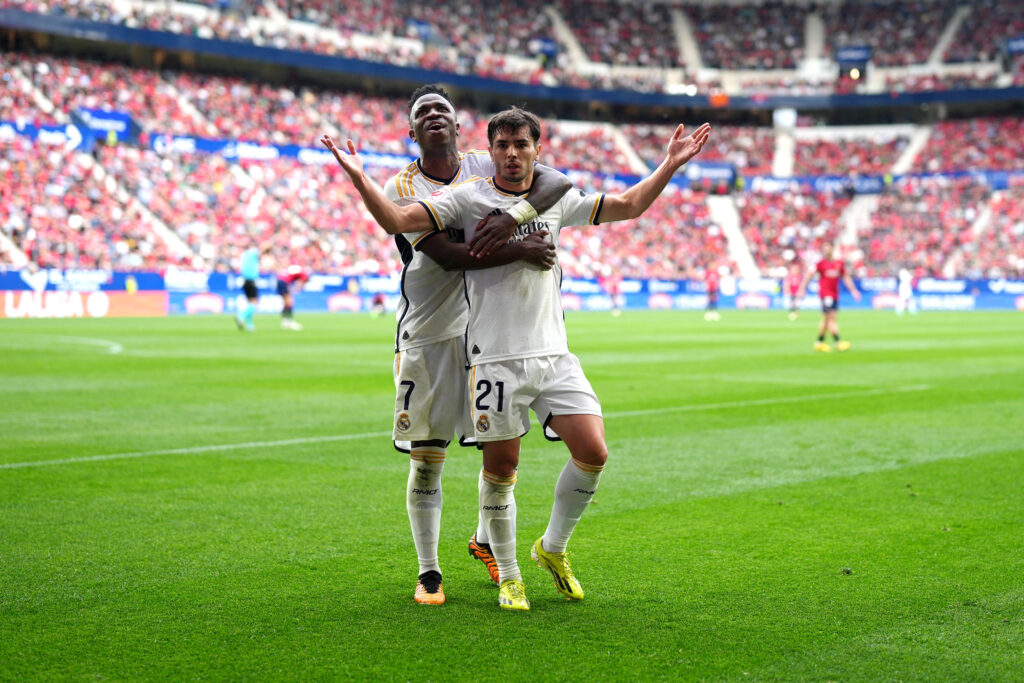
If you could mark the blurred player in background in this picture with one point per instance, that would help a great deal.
(249, 267)
(712, 281)
(791, 287)
(830, 271)
(905, 292)
(378, 305)
(430, 352)
(289, 283)
(516, 339)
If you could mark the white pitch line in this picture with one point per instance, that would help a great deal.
(196, 449)
(111, 347)
(770, 401)
(367, 435)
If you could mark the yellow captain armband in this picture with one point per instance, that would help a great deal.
(522, 212)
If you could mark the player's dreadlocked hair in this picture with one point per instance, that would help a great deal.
(429, 89)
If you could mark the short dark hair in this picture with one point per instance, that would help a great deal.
(429, 89)
(512, 120)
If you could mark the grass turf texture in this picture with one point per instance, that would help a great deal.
(767, 513)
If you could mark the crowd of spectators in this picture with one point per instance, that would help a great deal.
(56, 207)
(936, 81)
(899, 33)
(981, 144)
(787, 227)
(675, 238)
(919, 224)
(767, 35)
(999, 251)
(847, 156)
(750, 149)
(611, 34)
(985, 29)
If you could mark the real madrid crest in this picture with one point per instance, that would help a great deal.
(483, 423)
(403, 422)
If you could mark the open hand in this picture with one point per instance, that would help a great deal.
(351, 162)
(683, 148)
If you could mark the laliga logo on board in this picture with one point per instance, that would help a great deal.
(659, 302)
(884, 300)
(204, 303)
(751, 300)
(572, 302)
(344, 301)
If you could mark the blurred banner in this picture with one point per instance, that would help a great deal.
(55, 293)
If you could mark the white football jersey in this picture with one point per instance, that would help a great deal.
(515, 310)
(433, 304)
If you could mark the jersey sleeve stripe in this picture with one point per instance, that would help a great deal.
(595, 215)
(421, 238)
(433, 214)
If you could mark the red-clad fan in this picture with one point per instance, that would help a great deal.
(830, 271)
(791, 287)
(288, 283)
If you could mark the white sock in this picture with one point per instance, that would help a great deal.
(423, 501)
(481, 528)
(498, 509)
(573, 492)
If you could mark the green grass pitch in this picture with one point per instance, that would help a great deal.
(181, 501)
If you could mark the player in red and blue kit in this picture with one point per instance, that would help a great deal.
(830, 271)
(711, 284)
(288, 283)
(794, 279)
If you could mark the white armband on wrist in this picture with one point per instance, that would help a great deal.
(522, 211)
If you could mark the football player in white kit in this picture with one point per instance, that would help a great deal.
(430, 363)
(516, 341)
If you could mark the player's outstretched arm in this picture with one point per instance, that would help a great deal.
(637, 199)
(534, 249)
(803, 284)
(848, 281)
(393, 218)
(548, 187)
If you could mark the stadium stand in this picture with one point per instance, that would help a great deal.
(984, 30)
(843, 157)
(749, 148)
(899, 33)
(981, 144)
(784, 227)
(59, 209)
(772, 36)
(998, 252)
(920, 223)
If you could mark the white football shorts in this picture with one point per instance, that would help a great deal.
(504, 392)
(430, 394)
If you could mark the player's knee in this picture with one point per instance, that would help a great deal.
(592, 453)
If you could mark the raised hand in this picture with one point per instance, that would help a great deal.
(683, 148)
(351, 162)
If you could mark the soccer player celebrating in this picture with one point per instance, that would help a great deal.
(430, 357)
(830, 271)
(516, 339)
